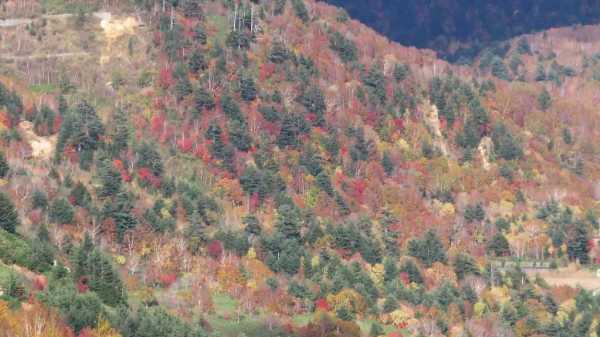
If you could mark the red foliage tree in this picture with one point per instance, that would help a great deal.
(215, 249)
(322, 304)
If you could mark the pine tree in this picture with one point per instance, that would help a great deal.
(314, 101)
(288, 221)
(3, 166)
(428, 250)
(390, 270)
(238, 134)
(248, 88)
(577, 246)
(150, 158)
(197, 61)
(204, 100)
(544, 100)
(42, 251)
(375, 81)
(386, 162)
(200, 35)
(61, 211)
(464, 265)
(121, 132)
(9, 220)
(498, 245)
(278, 53)
(80, 195)
(540, 73)
(300, 10)
(279, 7)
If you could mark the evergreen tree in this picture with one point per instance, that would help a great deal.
(182, 88)
(204, 100)
(506, 145)
(523, 46)
(119, 210)
(110, 180)
(279, 7)
(231, 108)
(252, 225)
(428, 250)
(390, 270)
(387, 163)
(39, 200)
(376, 330)
(499, 69)
(61, 212)
(197, 61)
(278, 52)
(544, 100)
(248, 88)
(200, 35)
(474, 213)
(464, 265)
(81, 129)
(401, 71)
(150, 158)
(314, 101)
(324, 182)
(577, 246)
(121, 132)
(288, 221)
(498, 245)
(582, 326)
(9, 219)
(80, 195)
(292, 127)
(411, 269)
(540, 73)
(375, 81)
(300, 10)
(238, 134)
(3, 166)
(42, 251)
(345, 48)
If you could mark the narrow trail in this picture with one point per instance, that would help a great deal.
(6, 57)
(13, 22)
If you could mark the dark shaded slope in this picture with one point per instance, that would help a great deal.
(439, 24)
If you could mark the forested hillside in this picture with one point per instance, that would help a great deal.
(264, 168)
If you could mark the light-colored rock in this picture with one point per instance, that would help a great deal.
(432, 121)
(486, 151)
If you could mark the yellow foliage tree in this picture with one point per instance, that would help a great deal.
(348, 299)
(104, 329)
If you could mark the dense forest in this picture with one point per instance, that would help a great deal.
(459, 30)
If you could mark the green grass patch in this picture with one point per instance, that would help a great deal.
(5, 271)
(302, 320)
(224, 304)
(46, 88)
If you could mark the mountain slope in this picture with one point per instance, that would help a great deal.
(275, 168)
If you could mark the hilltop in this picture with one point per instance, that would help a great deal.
(275, 168)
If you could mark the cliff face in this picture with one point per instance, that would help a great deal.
(460, 28)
